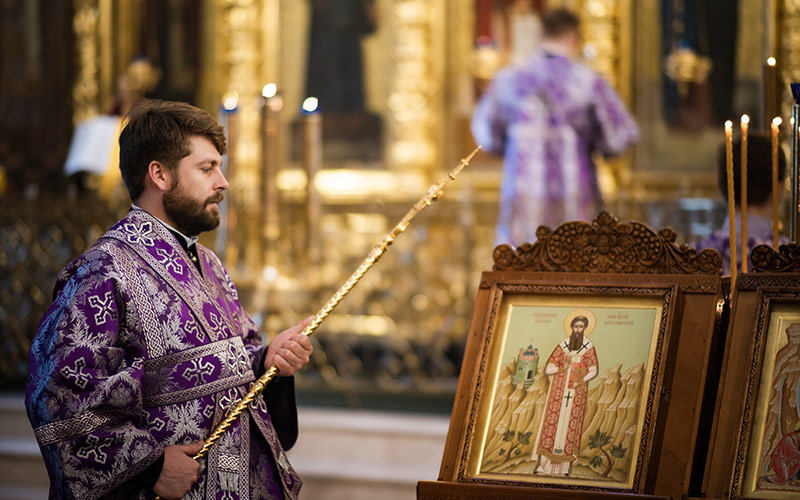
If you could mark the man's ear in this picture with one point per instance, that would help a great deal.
(159, 175)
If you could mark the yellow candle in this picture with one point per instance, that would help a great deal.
(731, 200)
(270, 159)
(743, 187)
(775, 187)
(312, 160)
(771, 88)
(230, 103)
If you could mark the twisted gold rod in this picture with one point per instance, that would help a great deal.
(434, 193)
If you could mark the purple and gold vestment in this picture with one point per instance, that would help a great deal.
(547, 117)
(139, 351)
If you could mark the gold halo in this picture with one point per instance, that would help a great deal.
(580, 312)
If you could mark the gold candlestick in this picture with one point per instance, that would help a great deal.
(743, 188)
(270, 160)
(230, 101)
(775, 186)
(731, 200)
(434, 193)
(312, 161)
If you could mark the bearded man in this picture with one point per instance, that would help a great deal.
(146, 346)
(570, 367)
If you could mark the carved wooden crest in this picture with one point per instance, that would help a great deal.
(607, 246)
(786, 259)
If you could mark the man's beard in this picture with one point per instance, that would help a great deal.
(190, 215)
(575, 341)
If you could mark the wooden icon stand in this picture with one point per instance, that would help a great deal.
(757, 405)
(613, 273)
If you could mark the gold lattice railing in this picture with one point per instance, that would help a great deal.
(37, 238)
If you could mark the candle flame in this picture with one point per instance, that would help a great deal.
(745, 119)
(771, 61)
(269, 90)
(310, 104)
(777, 121)
(728, 124)
(230, 100)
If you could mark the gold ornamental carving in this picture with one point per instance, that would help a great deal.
(86, 89)
(415, 93)
(750, 41)
(105, 40)
(239, 72)
(607, 32)
(788, 17)
(239, 64)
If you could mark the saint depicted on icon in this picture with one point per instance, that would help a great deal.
(570, 367)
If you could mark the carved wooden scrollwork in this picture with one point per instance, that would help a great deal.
(786, 259)
(607, 245)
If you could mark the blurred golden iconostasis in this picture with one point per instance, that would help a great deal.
(312, 192)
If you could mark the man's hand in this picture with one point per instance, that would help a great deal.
(290, 350)
(179, 472)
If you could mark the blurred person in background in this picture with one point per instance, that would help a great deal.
(546, 117)
(759, 197)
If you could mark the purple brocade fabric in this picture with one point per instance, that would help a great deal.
(547, 117)
(139, 351)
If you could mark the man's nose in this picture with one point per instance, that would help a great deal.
(221, 183)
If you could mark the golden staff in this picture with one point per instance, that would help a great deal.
(434, 193)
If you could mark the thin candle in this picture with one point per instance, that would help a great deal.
(312, 161)
(743, 187)
(776, 122)
(771, 90)
(270, 109)
(230, 103)
(731, 200)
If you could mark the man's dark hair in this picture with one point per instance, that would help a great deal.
(579, 318)
(160, 131)
(559, 21)
(759, 169)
